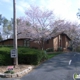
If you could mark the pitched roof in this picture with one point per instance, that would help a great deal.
(53, 35)
(25, 36)
(22, 35)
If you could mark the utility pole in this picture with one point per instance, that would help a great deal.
(15, 34)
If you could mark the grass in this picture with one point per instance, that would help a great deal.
(50, 55)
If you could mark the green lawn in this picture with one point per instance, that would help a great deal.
(50, 55)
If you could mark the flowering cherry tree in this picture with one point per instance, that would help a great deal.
(36, 24)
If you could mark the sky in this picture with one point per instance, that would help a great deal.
(64, 9)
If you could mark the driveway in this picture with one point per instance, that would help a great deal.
(57, 68)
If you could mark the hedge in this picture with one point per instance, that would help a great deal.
(49, 50)
(31, 56)
(25, 56)
(5, 56)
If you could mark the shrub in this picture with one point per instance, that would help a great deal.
(31, 56)
(49, 50)
(11, 72)
(25, 56)
(5, 56)
(60, 49)
(70, 48)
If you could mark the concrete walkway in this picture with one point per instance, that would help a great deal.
(57, 68)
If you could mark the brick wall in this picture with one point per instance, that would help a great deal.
(48, 44)
(34, 44)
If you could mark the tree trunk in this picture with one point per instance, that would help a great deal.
(42, 46)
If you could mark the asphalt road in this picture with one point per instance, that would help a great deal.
(61, 67)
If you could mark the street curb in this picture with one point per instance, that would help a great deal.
(18, 74)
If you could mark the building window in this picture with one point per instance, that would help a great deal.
(26, 43)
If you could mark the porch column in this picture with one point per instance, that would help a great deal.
(65, 42)
(58, 42)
